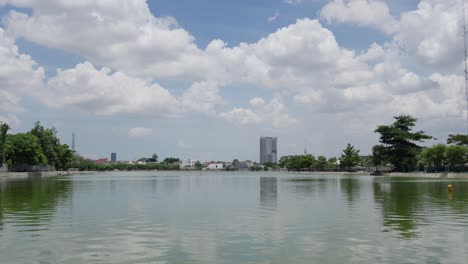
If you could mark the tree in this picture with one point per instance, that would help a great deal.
(350, 157)
(65, 157)
(458, 139)
(171, 160)
(299, 162)
(456, 155)
(49, 142)
(379, 156)
(4, 127)
(24, 149)
(399, 142)
(332, 162)
(155, 157)
(198, 165)
(434, 156)
(321, 163)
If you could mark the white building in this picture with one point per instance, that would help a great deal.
(215, 166)
(187, 163)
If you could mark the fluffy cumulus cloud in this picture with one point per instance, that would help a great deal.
(373, 13)
(103, 92)
(434, 33)
(125, 35)
(261, 112)
(302, 61)
(19, 75)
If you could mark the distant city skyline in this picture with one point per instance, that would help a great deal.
(178, 79)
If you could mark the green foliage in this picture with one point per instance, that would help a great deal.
(270, 165)
(171, 160)
(155, 157)
(399, 143)
(4, 127)
(458, 139)
(456, 155)
(321, 163)
(198, 165)
(379, 156)
(332, 162)
(439, 156)
(65, 157)
(297, 163)
(83, 164)
(434, 156)
(49, 143)
(40, 146)
(350, 157)
(24, 149)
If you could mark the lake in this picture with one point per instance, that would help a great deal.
(232, 217)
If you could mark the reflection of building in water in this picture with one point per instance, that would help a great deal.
(268, 191)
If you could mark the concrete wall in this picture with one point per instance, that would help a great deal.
(44, 174)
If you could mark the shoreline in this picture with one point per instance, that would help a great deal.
(440, 175)
(39, 174)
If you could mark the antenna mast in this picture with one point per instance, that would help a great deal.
(466, 64)
(73, 141)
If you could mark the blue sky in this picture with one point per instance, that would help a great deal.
(205, 79)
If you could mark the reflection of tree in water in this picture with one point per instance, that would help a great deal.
(31, 201)
(405, 204)
(400, 201)
(350, 187)
(268, 191)
(309, 186)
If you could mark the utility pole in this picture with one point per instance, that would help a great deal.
(73, 141)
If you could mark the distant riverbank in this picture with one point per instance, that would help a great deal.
(45, 174)
(449, 175)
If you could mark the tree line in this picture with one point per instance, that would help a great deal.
(38, 147)
(399, 149)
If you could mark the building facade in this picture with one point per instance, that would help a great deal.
(113, 157)
(187, 163)
(268, 150)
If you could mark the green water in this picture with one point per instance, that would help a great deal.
(221, 217)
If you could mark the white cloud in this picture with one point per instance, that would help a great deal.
(19, 76)
(293, 2)
(302, 61)
(140, 132)
(373, 13)
(273, 17)
(272, 113)
(125, 35)
(105, 93)
(433, 34)
(202, 97)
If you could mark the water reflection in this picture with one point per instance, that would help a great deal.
(31, 202)
(312, 186)
(406, 204)
(268, 191)
(350, 188)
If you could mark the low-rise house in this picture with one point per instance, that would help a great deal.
(215, 166)
(101, 161)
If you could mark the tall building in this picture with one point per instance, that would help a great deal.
(268, 149)
(113, 157)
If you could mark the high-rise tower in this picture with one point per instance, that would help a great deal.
(268, 149)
